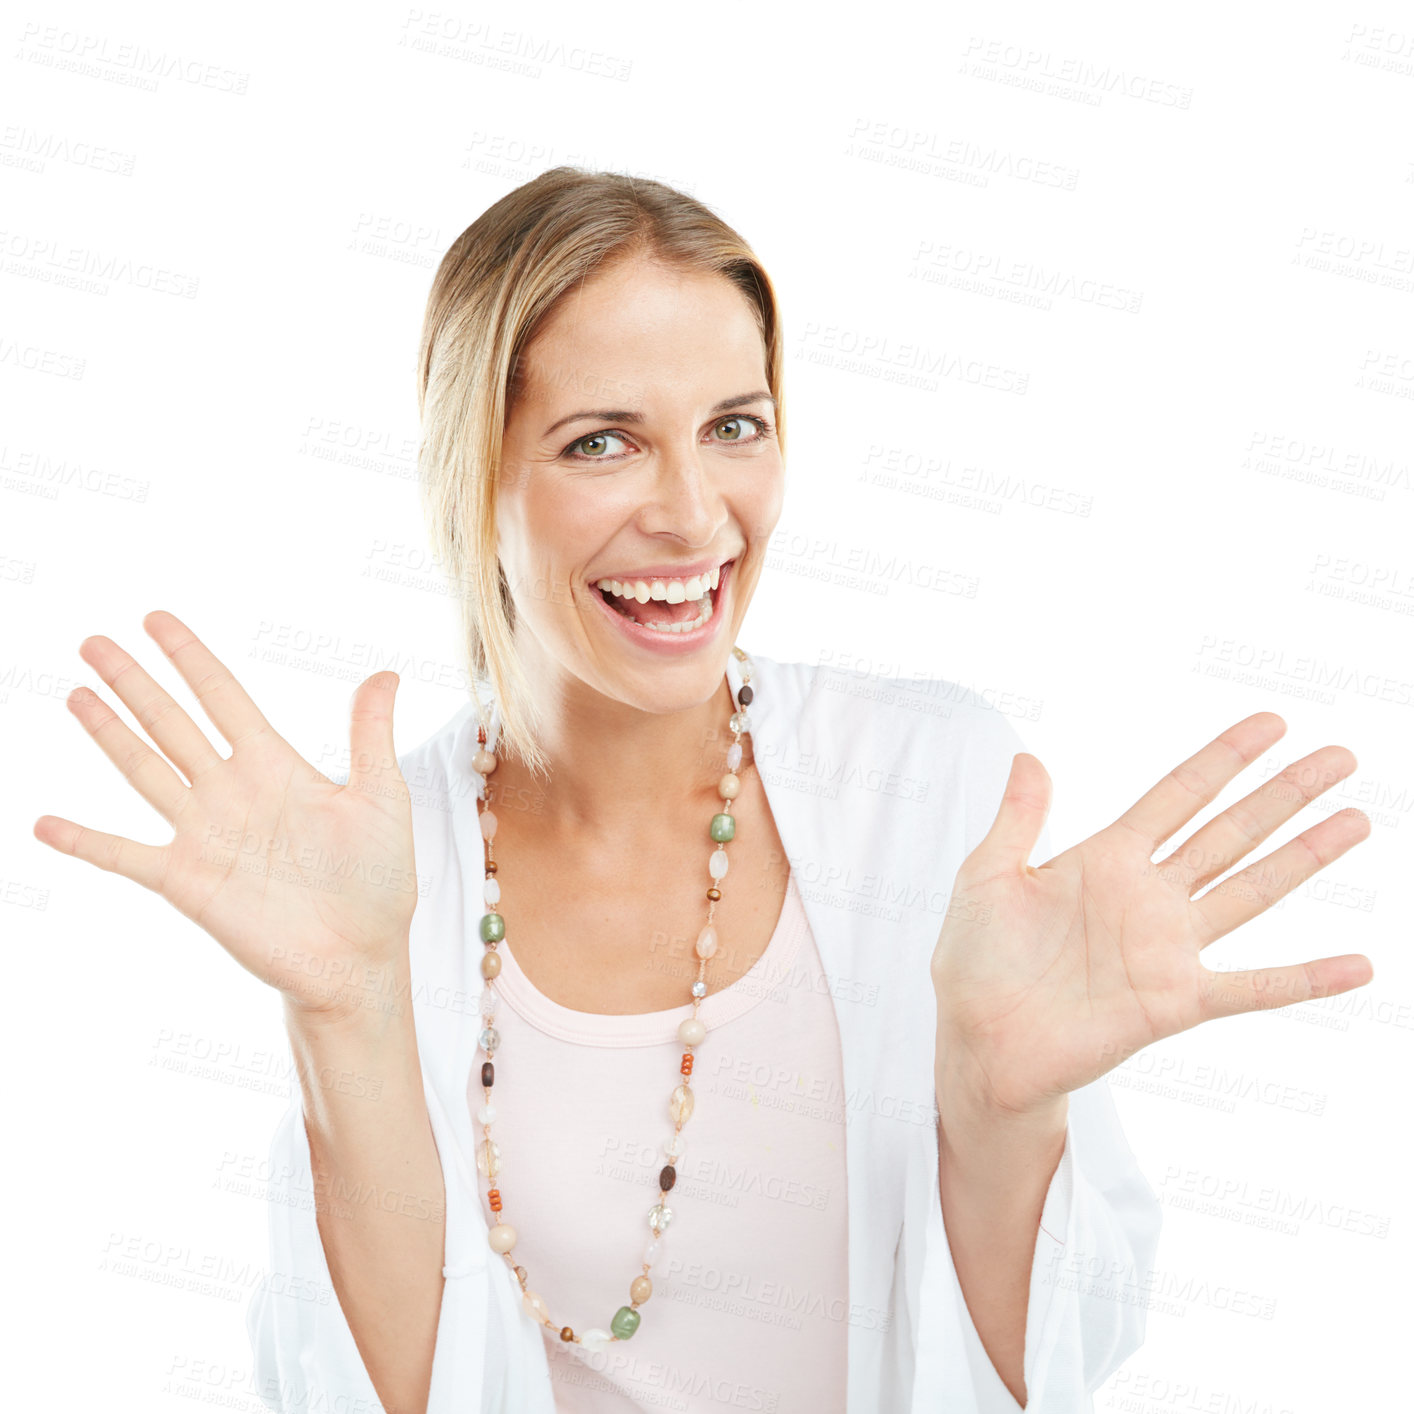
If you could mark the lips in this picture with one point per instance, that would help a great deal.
(665, 643)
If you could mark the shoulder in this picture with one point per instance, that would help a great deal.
(894, 713)
(931, 742)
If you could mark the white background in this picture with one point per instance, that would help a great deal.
(1147, 275)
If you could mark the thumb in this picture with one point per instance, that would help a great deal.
(1026, 802)
(371, 732)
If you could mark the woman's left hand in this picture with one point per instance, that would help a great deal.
(1047, 978)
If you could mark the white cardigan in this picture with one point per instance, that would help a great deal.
(879, 788)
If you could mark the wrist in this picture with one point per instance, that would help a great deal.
(359, 1023)
(995, 1146)
(356, 997)
(347, 1059)
(969, 1093)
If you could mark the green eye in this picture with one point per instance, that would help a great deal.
(763, 428)
(596, 441)
(593, 446)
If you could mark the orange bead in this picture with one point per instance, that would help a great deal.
(495, 1196)
(566, 1333)
(687, 1063)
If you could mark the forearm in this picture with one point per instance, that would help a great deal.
(379, 1193)
(994, 1170)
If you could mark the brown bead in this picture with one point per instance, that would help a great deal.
(714, 894)
(495, 1198)
(566, 1333)
(490, 866)
(488, 1074)
(686, 1066)
(667, 1178)
(490, 964)
(744, 695)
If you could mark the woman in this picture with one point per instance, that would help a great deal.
(513, 1039)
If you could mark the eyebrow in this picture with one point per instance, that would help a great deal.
(628, 415)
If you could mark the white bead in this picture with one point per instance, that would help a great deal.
(673, 1148)
(488, 825)
(595, 1339)
(502, 1237)
(650, 1253)
(729, 787)
(691, 1032)
(488, 1003)
(699, 989)
(488, 1157)
(733, 756)
(534, 1305)
(707, 942)
(491, 892)
(486, 1114)
(717, 864)
(659, 1216)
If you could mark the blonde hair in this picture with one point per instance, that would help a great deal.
(498, 283)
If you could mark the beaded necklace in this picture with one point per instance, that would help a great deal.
(502, 1236)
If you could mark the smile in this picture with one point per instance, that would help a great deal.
(683, 614)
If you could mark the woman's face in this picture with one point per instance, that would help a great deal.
(642, 447)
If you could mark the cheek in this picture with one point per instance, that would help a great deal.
(550, 540)
(761, 506)
(569, 517)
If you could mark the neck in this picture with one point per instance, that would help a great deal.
(617, 773)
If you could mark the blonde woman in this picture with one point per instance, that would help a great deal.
(679, 1027)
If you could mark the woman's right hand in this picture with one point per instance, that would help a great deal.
(308, 884)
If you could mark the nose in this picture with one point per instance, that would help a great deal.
(686, 502)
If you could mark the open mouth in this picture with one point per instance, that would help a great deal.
(660, 616)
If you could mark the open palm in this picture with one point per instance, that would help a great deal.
(308, 884)
(1048, 977)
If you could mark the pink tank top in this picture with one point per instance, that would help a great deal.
(750, 1299)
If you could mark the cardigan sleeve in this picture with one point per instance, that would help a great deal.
(487, 1359)
(1098, 1235)
(1090, 1273)
(304, 1353)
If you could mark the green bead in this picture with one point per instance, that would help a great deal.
(625, 1322)
(493, 927)
(723, 828)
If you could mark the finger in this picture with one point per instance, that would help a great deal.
(1026, 801)
(372, 756)
(181, 740)
(1245, 824)
(142, 863)
(1244, 895)
(222, 698)
(143, 769)
(1196, 782)
(1266, 988)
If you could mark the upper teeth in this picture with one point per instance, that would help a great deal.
(674, 591)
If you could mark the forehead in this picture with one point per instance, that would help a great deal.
(641, 327)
